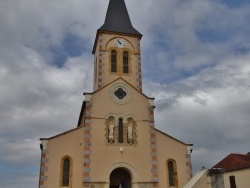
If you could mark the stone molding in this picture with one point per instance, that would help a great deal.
(116, 86)
(87, 147)
(44, 169)
(130, 168)
(117, 116)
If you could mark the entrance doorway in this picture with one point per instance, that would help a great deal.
(120, 176)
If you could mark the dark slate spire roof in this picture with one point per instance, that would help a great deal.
(117, 19)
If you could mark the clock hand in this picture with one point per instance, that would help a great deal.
(119, 41)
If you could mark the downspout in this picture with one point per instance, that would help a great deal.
(41, 147)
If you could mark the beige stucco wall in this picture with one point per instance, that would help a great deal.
(242, 178)
(103, 104)
(169, 148)
(69, 144)
(104, 155)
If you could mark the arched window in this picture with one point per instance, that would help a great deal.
(125, 62)
(172, 173)
(113, 61)
(232, 181)
(120, 140)
(66, 170)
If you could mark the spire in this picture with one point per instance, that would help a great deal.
(117, 19)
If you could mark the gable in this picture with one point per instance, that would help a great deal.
(69, 132)
(166, 136)
(119, 96)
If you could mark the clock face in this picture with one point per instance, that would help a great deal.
(119, 42)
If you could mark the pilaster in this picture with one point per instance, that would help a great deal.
(101, 62)
(87, 147)
(153, 154)
(44, 165)
(138, 65)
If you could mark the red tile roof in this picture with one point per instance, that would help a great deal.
(234, 162)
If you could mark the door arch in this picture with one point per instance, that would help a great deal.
(120, 176)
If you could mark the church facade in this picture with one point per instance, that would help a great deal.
(115, 143)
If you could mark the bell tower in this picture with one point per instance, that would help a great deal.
(117, 48)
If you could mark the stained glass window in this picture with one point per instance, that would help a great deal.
(171, 173)
(66, 166)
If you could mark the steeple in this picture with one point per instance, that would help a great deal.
(117, 19)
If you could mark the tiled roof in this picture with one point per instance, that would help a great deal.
(234, 162)
(117, 19)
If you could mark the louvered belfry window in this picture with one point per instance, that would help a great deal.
(66, 166)
(113, 61)
(125, 62)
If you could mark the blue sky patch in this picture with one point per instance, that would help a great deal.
(242, 50)
(72, 46)
(212, 36)
(236, 3)
(12, 169)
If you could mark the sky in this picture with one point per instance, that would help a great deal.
(195, 59)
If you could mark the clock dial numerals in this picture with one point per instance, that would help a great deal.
(119, 42)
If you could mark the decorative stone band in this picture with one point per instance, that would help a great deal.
(137, 46)
(138, 72)
(101, 69)
(44, 169)
(189, 164)
(153, 154)
(101, 43)
(88, 114)
(87, 146)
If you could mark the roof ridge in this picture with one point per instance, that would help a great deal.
(234, 161)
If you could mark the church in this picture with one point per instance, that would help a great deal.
(115, 143)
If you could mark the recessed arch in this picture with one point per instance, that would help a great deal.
(66, 171)
(172, 173)
(131, 116)
(120, 129)
(117, 116)
(128, 167)
(120, 176)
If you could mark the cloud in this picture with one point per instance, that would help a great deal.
(210, 110)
